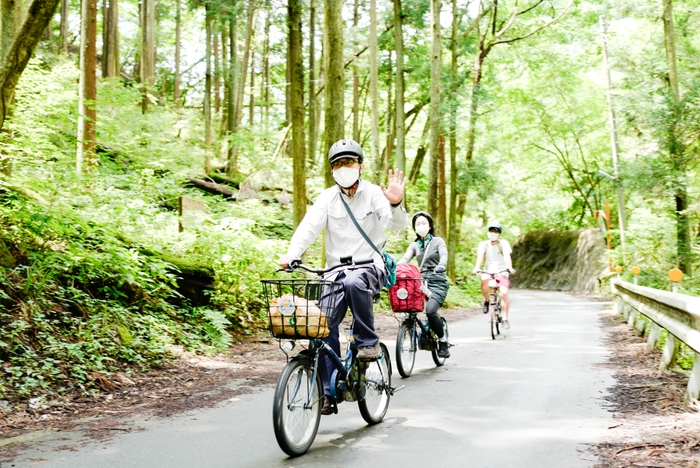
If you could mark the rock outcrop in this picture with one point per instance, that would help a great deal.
(559, 260)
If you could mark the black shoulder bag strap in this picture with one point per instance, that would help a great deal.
(357, 225)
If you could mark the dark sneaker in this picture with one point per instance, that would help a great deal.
(506, 325)
(485, 309)
(443, 349)
(369, 352)
(328, 406)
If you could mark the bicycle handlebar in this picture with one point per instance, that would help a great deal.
(493, 274)
(348, 262)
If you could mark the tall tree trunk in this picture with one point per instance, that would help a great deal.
(110, 38)
(251, 105)
(389, 123)
(207, 86)
(12, 18)
(676, 147)
(64, 26)
(11, 22)
(356, 78)
(217, 73)
(435, 115)
(148, 52)
(178, 51)
(15, 61)
(266, 67)
(441, 219)
(223, 130)
(374, 89)
(245, 61)
(313, 102)
(471, 139)
(451, 238)
(232, 76)
(88, 81)
(334, 73)
(296, 65)
(400, 115)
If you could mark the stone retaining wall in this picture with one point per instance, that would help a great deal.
(559, 260)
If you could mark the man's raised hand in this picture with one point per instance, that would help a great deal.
(394, 187)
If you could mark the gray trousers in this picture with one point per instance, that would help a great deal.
(359, 287)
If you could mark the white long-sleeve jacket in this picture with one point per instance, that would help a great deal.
(372, 211)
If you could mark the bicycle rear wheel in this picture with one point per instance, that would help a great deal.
(296, 410)
(493, 320)
(376, 376)
(406, 347)
(439, 361)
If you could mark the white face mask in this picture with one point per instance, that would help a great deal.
(422, 230)
(346, 176)
(493, 236)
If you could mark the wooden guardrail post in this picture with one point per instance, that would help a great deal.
(654, 335)
(693, 390)
(670, 353)
(632, 317)
(622, 308)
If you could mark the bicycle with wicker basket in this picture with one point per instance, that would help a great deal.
(301, 309)
(407, 298)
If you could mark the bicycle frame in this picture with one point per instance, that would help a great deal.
(417, 331)
(318, 348)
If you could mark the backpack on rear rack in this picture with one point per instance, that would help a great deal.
(406, 295)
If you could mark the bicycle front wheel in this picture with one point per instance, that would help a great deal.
(296, 411)
(439, 361)
(406, 348)
(376, 377)
(493, 320)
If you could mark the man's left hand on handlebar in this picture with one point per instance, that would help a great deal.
(285, 260)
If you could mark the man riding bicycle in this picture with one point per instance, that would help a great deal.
(375, 208)
(496, 252)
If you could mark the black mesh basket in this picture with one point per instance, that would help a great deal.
(300, 308)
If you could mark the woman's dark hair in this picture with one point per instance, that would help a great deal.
(431, 223)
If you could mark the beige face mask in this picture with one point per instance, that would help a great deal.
(493, 236)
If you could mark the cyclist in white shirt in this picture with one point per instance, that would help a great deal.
(496, 252)
(375, 208)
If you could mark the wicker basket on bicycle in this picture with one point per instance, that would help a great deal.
(300, 308)
(407, 294)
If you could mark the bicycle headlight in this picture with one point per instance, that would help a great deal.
(287, 346)
(493, 283)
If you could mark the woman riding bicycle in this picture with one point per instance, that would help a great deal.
(431, 253)
(496, 252)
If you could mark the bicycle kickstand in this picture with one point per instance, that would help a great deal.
(393, 389)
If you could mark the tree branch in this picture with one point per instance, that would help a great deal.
(536, 30)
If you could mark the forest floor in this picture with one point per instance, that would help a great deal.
(650, 428)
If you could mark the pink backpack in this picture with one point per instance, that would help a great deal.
(406, 295)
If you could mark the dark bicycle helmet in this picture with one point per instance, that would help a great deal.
(426, 216)
(345, 149)
(495, 225)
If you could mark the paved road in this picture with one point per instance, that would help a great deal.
(532, 399)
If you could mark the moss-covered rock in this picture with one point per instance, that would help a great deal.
(558, 259)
